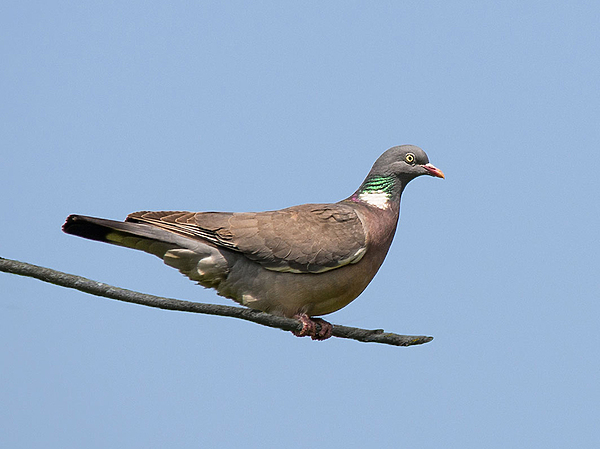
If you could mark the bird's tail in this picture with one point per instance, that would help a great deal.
(195, 258)
(138, 236)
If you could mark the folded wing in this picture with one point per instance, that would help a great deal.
(312, 238)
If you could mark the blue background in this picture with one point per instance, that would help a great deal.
(112, 107)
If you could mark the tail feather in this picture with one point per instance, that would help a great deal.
(194, 257)
(138, 236)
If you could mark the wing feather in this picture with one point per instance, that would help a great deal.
(311, 238)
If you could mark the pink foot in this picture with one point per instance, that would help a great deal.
(309, 327)
(326, 329)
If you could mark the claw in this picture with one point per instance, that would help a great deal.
(309, 327)
(326, 329)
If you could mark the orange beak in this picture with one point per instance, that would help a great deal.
(434, 171)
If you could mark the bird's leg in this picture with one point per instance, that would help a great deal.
(325, 331)
(309, 327)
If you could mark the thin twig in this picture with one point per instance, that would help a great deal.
(266, 319)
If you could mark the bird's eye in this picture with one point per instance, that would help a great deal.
(410, 158)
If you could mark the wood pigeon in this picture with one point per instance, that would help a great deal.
(300, 262)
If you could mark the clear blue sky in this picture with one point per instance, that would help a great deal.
(114, 107)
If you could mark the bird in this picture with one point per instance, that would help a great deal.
(300, 262)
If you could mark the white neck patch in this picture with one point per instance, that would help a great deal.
(377, 198)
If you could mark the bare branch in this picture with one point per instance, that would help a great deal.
(266, 319)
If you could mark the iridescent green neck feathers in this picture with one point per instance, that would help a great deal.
(376, 191)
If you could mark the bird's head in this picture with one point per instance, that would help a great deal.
(405, 162)
(394, 169)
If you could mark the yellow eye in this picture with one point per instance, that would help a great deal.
(410, 158)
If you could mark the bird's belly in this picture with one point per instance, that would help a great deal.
(290, 293)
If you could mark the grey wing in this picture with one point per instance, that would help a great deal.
(311, 238)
